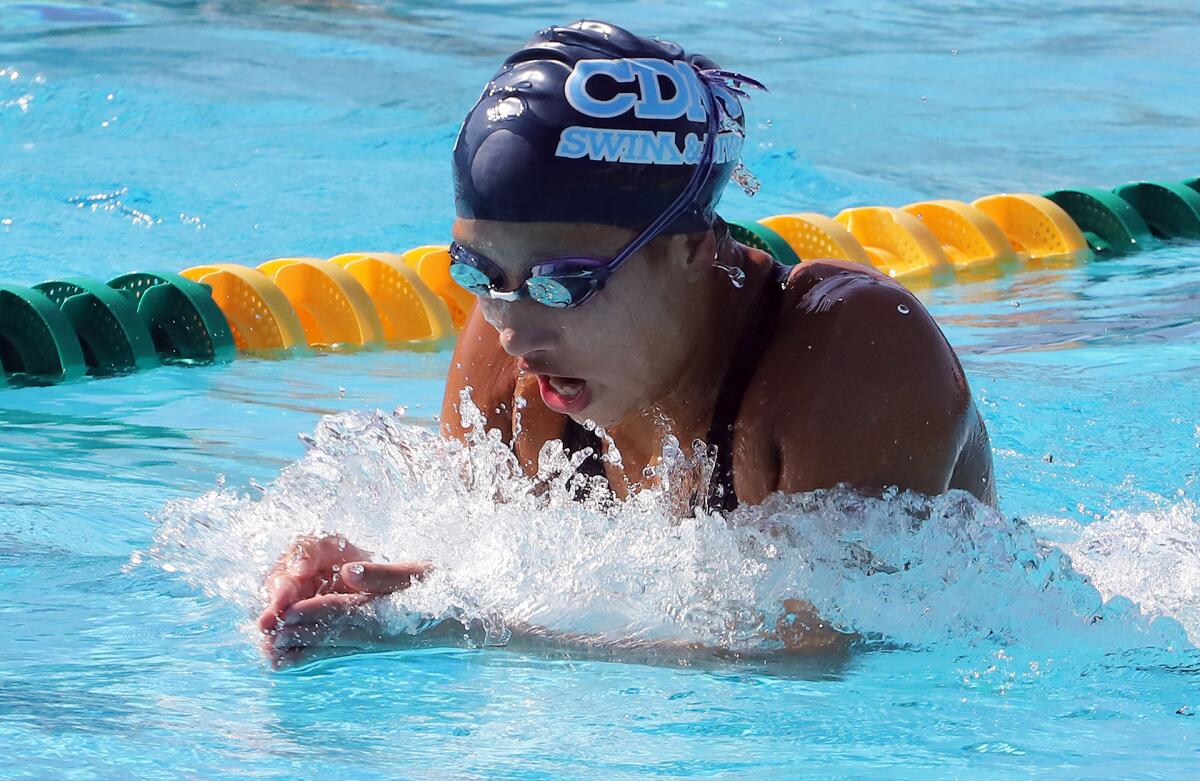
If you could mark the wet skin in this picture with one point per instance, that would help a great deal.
(857, 386)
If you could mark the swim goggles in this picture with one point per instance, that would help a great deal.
(569, 281)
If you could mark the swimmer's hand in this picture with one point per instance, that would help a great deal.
(319, 594)
(804, 632)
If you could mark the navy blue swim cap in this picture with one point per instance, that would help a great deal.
(591, 123)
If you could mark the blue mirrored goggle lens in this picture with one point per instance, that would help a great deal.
(550, 292)
(470, 278)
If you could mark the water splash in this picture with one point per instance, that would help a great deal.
(513, 551)
(1154, 555)
(745, 179)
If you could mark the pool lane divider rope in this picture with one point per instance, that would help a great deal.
(64, 329)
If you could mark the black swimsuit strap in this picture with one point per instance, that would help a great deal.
(747, 354)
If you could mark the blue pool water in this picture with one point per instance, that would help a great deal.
(138, 512)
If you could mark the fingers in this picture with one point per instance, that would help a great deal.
(324, 608)
(377, 578)
(305, 569)
(283, 591)
(309, 555)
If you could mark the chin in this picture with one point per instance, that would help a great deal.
(600, 413)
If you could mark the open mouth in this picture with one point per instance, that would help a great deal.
(563, 394)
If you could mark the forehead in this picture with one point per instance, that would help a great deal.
(519, 243)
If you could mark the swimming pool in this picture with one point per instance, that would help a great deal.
(143, 135)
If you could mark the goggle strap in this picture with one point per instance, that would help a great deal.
(703, 170)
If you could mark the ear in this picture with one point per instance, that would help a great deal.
(692, 254)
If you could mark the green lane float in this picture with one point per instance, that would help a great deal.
(1109, 223)
(37, 341)
(1171, 210)
(763, 237)
(114, 339)
(63, 329)
(184, 323)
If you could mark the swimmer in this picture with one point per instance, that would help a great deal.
(587, 178)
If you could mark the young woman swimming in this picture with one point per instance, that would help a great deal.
(586, 179)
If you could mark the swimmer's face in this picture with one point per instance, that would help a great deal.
(620, 351)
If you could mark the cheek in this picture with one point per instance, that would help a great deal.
(490, 312)
(625, 331)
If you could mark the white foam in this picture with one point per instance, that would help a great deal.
(512, 552)
(1151, 557)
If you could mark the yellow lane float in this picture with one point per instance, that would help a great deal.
(408, 309)
(969, 238)
(1036, 227)
(366, 298)
(895, 241)
(814, 235)
(259, 314)
(332, 305)
(433, 267)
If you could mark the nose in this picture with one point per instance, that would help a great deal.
(520, 325)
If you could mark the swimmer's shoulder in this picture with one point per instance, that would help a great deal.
(838, 307)
(858, 385)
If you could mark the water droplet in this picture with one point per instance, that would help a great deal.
(924, 99)
(341, 394)
(745, 179)
(1015, 304)
(737, 277)
(954, 52)
(769, 122)
(902, 309)
(357, 569)
(509, 108)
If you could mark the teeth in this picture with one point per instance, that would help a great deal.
(566, 388)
